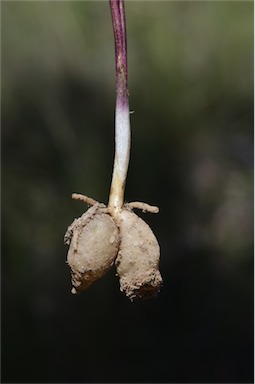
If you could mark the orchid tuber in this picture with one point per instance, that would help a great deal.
(114, 233)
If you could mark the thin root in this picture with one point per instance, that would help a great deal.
(143, 206)
(135, 204)
(85, 199)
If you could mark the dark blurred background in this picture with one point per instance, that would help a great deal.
(191, 87)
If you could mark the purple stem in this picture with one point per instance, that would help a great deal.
(119, 29)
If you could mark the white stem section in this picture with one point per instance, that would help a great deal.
(121, 159)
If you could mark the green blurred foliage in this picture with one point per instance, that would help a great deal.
(191, 87)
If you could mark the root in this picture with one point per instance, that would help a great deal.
(85, 199)
(135, 204)
(143, 206)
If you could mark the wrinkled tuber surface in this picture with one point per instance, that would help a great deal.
(138, 258)
(94, 244)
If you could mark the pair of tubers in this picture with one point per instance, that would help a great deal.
(100, 237)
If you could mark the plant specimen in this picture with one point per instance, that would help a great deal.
(114, 233)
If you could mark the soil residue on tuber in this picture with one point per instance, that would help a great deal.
(101, 237)
(138, 257)
(94, 244)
